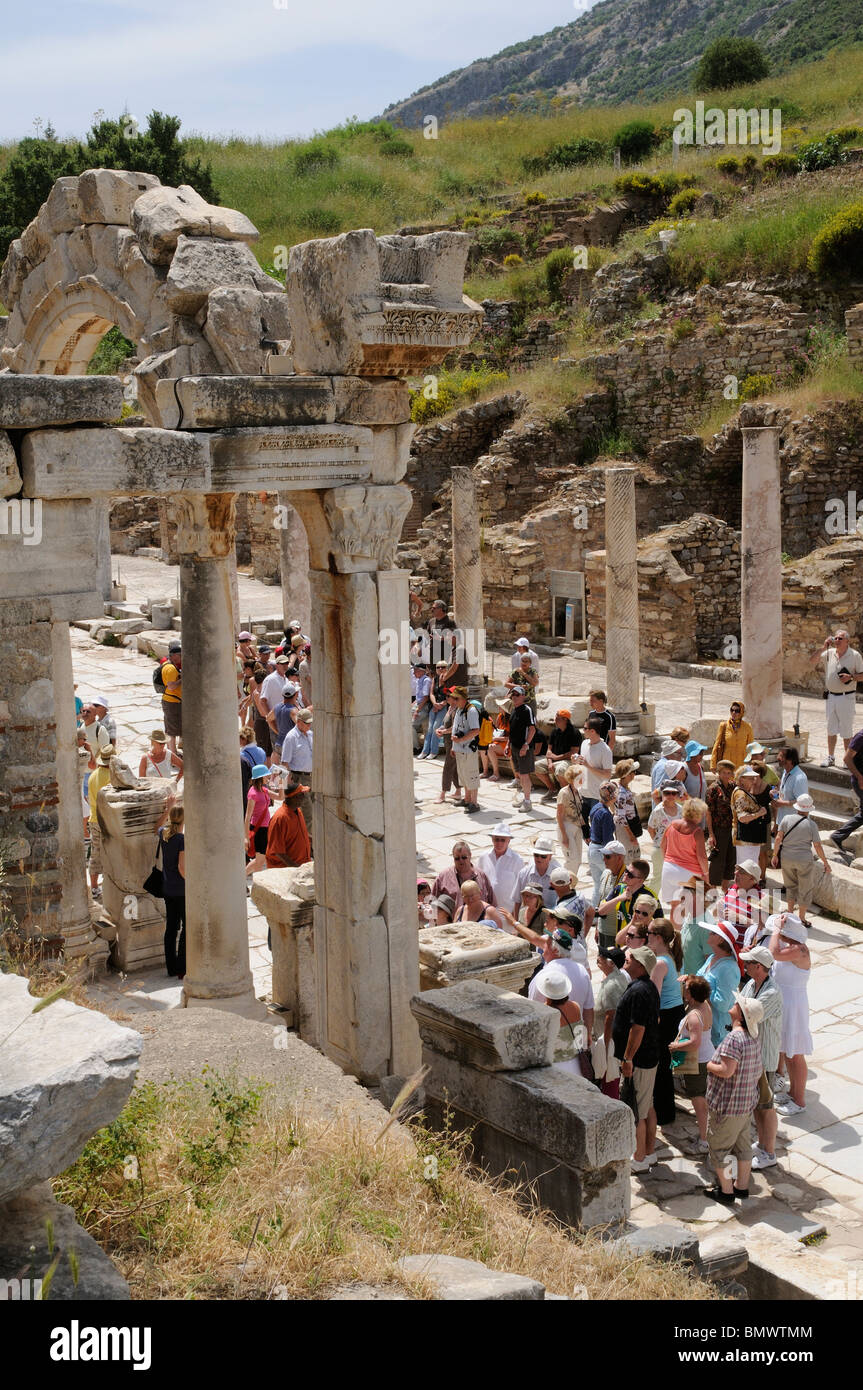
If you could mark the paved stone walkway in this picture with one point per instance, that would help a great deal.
(818, 1183)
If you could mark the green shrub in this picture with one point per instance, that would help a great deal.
(749, 163)
(683, 328)
(662, 185)
(838, 247)
(112, 350)
(314, 157)
(683, 202)
(533, 200)
(635, 140)
(821, 154)
(396, 146)
(556, 267)
(846, 133)
(758, 384)
(729, 61)
(455, 388)
(728, 165)
(780, 166)
(471, 221)
(566, 155)
(322, 220)
(498, 241)
(512, 261)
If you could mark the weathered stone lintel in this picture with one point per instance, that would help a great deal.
(34, 402)
(221, 402)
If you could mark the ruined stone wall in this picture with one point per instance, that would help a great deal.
(134, 523)
(820, 592)
(854, 333)
(263, 537)
(456, 442)
(665, 380)
(28, 779)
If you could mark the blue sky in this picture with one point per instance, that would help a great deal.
(244, 66)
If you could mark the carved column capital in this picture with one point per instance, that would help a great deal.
(206, 523)
(365, 525)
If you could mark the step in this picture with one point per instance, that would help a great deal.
(837, 776)
(830, 797)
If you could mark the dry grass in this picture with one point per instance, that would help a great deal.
(295, 1206)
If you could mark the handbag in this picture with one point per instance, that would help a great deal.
(779, 850)
(154, 883)
(627, 1095)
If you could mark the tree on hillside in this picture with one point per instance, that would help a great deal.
(37, 163)
(729, 62)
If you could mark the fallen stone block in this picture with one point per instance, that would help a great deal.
(32, 402)
(162, 215)
(202, 264)
(477, 1025)
(663, 1242)
(106, 196)
(462, 950)
(83, 1271)
(66, 1072)
(456, 1280)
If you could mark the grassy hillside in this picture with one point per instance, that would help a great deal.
(357, 176)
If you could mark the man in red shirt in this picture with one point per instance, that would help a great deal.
(288, 843)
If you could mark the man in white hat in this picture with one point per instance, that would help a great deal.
(540, 870)
(792, 852)
(106, 721)
(523, 648)
(761, 985)
(568, 897)
(669, 750)
(843, 668)
(502, 866)
(732, 1090)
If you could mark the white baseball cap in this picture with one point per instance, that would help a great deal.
(501, 830)
(522, 642)
(543, 844)
(613, 847)
(560, 876)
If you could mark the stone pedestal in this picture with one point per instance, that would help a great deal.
(217, 938)
(467, 572)
(286, 897)
(467, 951)
(128, 820)
(761, 582)
(622, 657)
(79, 938)
(294, 550)
(489, 1056)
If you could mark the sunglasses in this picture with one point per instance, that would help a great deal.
(631, 873)
(634, 936)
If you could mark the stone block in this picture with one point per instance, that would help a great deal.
(466, 950)
(392, 448)
(162, 215)
(233, 402)
(287, 457)
(352, 956)
(62, 210)
(363, 401)
(32, 402)
(65, 563)
(457, 1280)
(68, 1074)
(106, 196)
(350, 858)
(234, 329)
(202, 264)
(478, 1026)
(129, 461)
(25, 1252)
(10, 478)
(663, 1242)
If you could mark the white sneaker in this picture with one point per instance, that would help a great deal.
(513, 783)
(829, 762)
(701, 1146)
(789, 1107)
(761, 1159)
(640, 1165)
(526, 806)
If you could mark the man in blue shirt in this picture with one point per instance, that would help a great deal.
(792, 784)
(284, 716)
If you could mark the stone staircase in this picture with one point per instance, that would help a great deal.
(835, 802)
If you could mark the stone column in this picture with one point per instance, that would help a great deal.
(365, 934)
(761, 582)
(622, 655)
(217, 938)
(294, 548)
(467, 571)
(79, 938)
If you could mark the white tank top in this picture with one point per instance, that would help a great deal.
(155, 769)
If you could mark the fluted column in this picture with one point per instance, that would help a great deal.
(467, 570)
(761, 582)
(622, 656)
(217, 938)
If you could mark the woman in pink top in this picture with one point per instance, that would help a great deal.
(257, 819)
(683, 847)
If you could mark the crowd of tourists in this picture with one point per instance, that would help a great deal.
(275, 729)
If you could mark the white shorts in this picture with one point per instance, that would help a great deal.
(840, 715)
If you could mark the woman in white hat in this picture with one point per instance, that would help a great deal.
(791, 972)
(569, 820)
(797, 837)
(553, 985)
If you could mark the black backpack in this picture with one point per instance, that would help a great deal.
(158, 680)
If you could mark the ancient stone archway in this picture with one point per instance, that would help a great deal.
(336, 438)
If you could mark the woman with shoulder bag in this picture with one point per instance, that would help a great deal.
(172, 844)
(797, 837)
(694, 1046)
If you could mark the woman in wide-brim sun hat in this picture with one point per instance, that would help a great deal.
(722, 972)
(553, 985)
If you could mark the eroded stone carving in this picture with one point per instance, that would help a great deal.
(366, 523)
(206, 523)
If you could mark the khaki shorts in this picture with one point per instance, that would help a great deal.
(643, 1079)
(799, 878)
(95, 848)
(728, 1134)
(172, 716)
(468, 770)
(553, 770)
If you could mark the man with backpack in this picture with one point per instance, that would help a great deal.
(168, 681)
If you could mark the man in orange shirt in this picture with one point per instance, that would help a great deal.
(288, 843)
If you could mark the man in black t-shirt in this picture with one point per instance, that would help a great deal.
(598, 710)
(522, 732)
(563, 741)
(854, 764)
(635, 1033)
